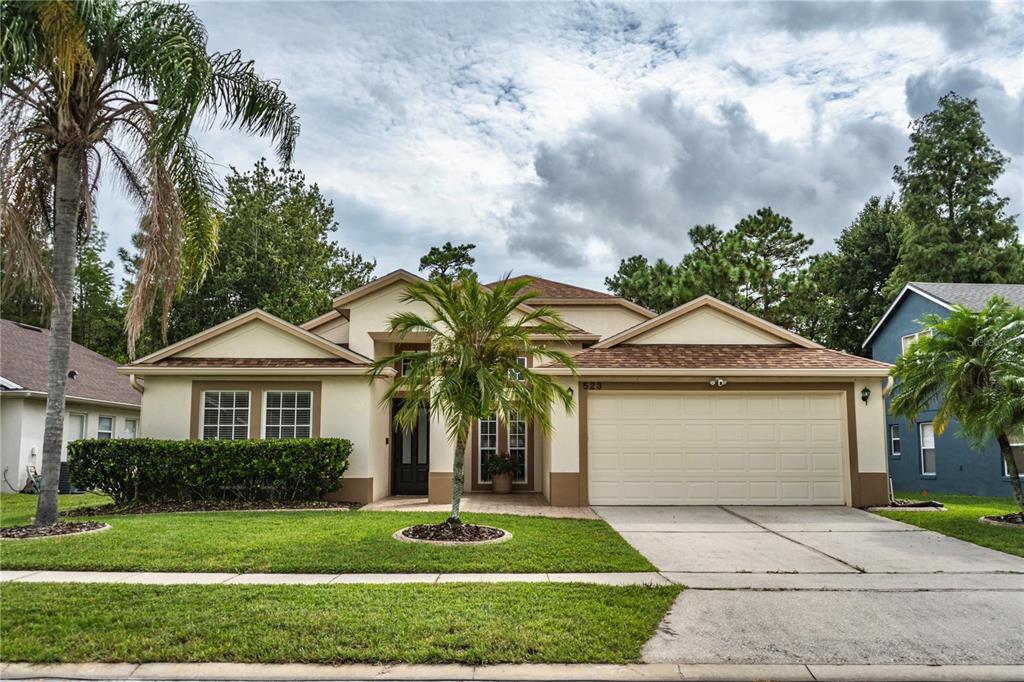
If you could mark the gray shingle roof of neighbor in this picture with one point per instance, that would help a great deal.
(23, 361)
(973, 296)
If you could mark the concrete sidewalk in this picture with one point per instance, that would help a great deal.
(251, 672)
(156, 578)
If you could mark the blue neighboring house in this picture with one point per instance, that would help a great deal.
(918, 458)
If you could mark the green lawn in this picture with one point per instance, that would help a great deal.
(465, 623)
(18, 510)
(322, 542)
(961, 520)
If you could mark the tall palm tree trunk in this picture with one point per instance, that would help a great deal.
(67, 199)
(1012, 469)
(458, 479)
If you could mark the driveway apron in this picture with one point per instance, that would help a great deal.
(824, 585)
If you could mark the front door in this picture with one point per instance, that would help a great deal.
(410, 454)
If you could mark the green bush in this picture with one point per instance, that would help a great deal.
(146, 470)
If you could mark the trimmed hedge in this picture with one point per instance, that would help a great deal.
(146, 470)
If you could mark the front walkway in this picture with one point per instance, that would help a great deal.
(824, 585)
(519, 504)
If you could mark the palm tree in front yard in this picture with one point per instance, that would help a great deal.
(471, 370)
(972, 366)
(110, 90)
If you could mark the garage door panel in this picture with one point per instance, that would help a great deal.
(727, 449)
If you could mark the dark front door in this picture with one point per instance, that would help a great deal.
(410, 454)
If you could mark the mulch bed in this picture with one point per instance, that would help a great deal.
(913, 504)
(453, 532)
(1015, 520)
(208, 506)
(60, 528)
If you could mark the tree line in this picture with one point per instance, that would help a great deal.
(276, 252)
(946, 223)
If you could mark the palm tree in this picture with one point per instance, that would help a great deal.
(101, 87)
(471, 371)
(972, 364)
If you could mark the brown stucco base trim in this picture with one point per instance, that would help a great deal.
(564, 489)
(873, 490)
(439, 487)
(358, 490)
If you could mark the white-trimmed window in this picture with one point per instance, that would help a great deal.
(131, 428)
(225, 415)
(487, 446)
(288, 414)
(75, 426)
(517, 447)
(1017, 446)
(927, 433)
(908, 340)
(522, 362)
(105, 428)
(895, 442)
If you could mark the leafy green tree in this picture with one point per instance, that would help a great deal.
(471, 371)
(972, 365)
(851, 282)
(713, 267)
(771, 256)
(98, 319)
(448, 261)
(276, 252)
(958, 229)
(121, 82)
(657, 287)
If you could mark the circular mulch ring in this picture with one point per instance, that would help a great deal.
(56, 530)
(1015, 520)
(452, 534)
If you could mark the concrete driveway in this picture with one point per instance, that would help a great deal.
(825, 585)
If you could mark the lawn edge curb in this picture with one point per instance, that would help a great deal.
(634, 672)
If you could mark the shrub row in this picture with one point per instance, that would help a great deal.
(147, 470)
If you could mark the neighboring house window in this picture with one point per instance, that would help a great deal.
(908, 340)
(517, 438)
(76, 426)
(487, 446)
(288, 414)
(1017, 445)
(895, 446)
(131, 428)
(927, 449)
(105, 428)
(516, 374)
(225, 415)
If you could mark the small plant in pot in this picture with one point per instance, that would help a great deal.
(501, 469)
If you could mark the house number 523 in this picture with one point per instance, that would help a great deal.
(591, 385)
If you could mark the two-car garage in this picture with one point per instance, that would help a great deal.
(762, 447)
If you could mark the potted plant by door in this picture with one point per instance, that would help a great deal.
(501, 469)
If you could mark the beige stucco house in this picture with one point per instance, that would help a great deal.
(705, 404)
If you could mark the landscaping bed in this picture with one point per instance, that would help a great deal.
(60, 528)
(451, 533)
(317, 542)
(208, 506)
(1015, 520)
(961, 520)
(469, 623)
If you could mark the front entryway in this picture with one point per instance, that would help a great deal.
(410, 454)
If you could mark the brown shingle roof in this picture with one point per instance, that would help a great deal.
(251, 362)
(699, 356)
(546, 288)
(23, 360)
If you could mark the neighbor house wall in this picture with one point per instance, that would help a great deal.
(960, 468)
(22, 421)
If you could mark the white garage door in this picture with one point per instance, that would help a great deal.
(700, 448)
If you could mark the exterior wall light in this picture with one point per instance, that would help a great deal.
(718, 382)
(865, 393)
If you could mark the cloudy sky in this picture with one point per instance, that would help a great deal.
(563, 137)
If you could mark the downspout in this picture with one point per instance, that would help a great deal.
(134, 383)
